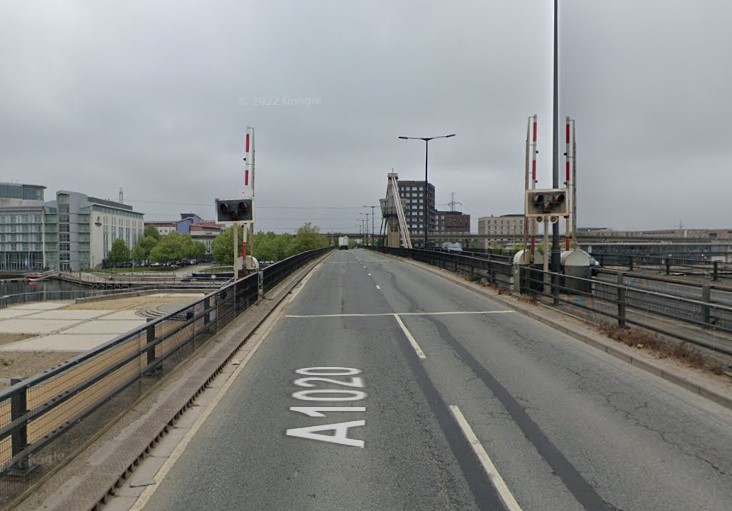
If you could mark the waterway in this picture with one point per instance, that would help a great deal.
(13, 291)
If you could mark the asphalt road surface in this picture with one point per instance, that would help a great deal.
(386, 387)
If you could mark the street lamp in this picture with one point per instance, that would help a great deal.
(372, 222)
(365, 226)
(426, 157)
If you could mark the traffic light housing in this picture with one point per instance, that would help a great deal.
(550, 204)
(234, 210)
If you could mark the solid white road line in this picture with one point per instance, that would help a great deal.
(376, 315)
(490, 469)
(411, 338)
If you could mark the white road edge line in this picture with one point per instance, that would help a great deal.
(267, 327)
(380, 314)
(490, 469)
(411, 338)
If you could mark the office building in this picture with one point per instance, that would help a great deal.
(412, 195)
(502, 229)
(22, 227)
(71, 233)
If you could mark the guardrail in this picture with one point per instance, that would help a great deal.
(39, 410)
(626, 298)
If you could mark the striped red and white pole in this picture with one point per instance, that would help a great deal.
(567, 149)
(534, 136)
(246, 158)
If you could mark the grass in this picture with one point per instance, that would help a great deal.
(6, 362)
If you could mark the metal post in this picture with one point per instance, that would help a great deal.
(555, 261)
(19, 437)
(236, 251)
(715, 270)
(548, 279)
(706, 297)
(151, 358)
(206, 313)
(622, 300)
(426, 157)
(260, 284)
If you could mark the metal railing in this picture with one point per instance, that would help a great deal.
(696, 267)
(496, 269)
(37, 411)
(696, 312)
(699, 314)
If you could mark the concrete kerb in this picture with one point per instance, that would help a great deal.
(98, 484)
(604, 344)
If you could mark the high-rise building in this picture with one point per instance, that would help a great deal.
(412, 195)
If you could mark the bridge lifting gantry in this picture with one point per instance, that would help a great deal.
(392, 213)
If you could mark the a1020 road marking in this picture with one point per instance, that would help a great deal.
(340, 383)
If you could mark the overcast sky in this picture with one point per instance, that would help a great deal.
(154, 96)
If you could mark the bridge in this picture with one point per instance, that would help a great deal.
(404, 379)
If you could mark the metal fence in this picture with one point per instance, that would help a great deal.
(697, 312)
(36, 412)
(694, 267)
(496, 269)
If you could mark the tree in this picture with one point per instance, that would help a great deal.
(170, 248)
(119, 253)
(222, 247)
(152, 232)
(308, 237)
(142, 250)
(269, 246)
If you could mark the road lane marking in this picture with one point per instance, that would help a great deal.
(380, 314)
(378, 287)
(328, 375)
(410, 338)
(255, 341)
(490, 469)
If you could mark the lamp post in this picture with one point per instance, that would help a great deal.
(372, 222)
(426, 157)
(555, 255)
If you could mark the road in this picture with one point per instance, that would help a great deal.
(410, 364)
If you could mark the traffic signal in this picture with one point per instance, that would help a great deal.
(234, 210)
(551, 203)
